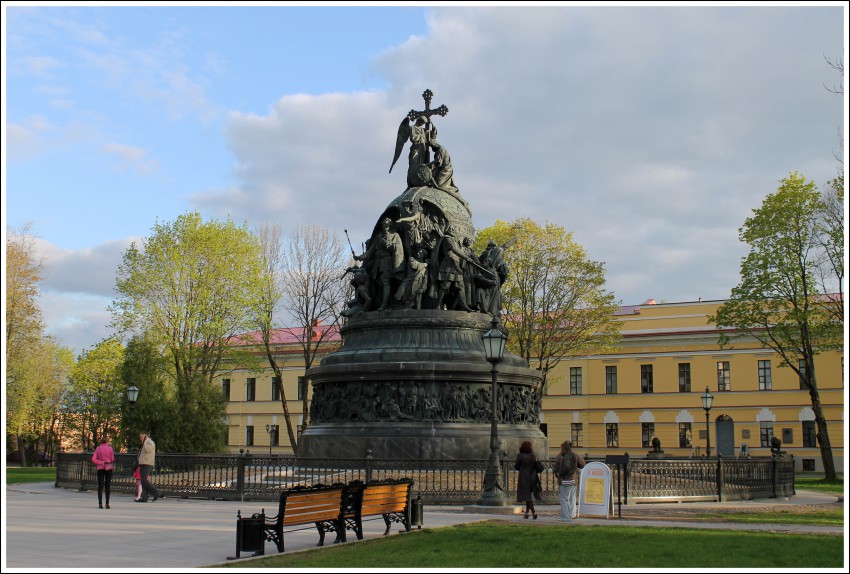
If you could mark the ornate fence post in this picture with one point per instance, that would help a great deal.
(59, 464)
(793, 487)
(721, 483)
(83, 471)
(240, 475)
(626, 474)
(774, 476)
(369, 459)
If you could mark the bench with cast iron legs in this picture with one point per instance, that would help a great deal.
(318, 505)
(387, 499)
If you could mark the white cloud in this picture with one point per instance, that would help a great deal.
(40, 65)
(85, 271)
(28, 137)
(84, 33)
(131, 157)
(649, 132)
(77, 289)
(80, 321)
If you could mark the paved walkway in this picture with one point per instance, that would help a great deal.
(48, 527)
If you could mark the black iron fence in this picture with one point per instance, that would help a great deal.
(257, 477)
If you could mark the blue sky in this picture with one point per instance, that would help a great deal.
(650, 132)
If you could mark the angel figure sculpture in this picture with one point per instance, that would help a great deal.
(419, 157)
(417, 128)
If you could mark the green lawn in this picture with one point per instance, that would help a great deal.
(819, 484)
(830, 517)
(492, 545)
(16, 475)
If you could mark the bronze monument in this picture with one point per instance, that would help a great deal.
(410, 380)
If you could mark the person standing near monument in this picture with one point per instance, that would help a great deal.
(566, 465)
(104, 458)
(528, 485)
(146, 460)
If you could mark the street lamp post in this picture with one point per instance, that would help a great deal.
(132, 397)
(706, 404)
(494, 349)
(270, 431)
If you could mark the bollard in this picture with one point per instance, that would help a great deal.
(416, 512)
(83, 472)
(369, 459)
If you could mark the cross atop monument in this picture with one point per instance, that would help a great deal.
(427, 95)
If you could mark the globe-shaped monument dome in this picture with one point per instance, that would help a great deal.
(441, 208)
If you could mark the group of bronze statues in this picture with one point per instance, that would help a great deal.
(420, 254)
(419, 261)
(417, 401)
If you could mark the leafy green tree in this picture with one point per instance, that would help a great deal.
(93, 399)
(24, 273)
(554, 299)
(35, 383)
(777, 301)
(156, 410)
(36, 366)
(193, 286)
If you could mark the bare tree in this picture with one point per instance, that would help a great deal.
(313, 292)
(830, 224)
(838, 65)
(830, 236)
(271, 294)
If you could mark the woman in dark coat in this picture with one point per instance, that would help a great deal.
(529, 470)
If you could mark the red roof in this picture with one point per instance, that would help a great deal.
(292, 335)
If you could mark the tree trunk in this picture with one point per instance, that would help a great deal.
(22, 451)
(823, 434)
(286, 414)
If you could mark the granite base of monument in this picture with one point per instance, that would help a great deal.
(414, 441)
(414, 385)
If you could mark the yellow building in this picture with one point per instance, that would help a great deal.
(651, 386)
(255, 412)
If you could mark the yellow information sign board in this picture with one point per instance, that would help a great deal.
(595, 490)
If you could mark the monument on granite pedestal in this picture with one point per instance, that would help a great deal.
(656, 451)
(410, 380)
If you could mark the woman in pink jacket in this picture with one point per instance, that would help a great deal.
(104, 458)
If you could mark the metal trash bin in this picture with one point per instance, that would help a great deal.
(416, 512)
(250, 536)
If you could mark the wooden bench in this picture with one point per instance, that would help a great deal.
(319, 505)
(388, 499)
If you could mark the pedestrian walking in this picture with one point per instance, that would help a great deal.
(528, 487)
(146, 460)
